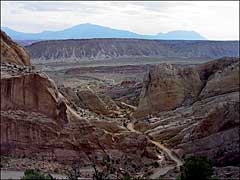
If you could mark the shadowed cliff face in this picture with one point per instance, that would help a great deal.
(11, 52)
(36, 120)
(194, 110)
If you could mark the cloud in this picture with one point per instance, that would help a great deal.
(214, 20)
(162, 6)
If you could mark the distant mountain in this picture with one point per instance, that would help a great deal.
(180, 35)
(89, 31)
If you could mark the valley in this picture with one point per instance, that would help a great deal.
(152, 112)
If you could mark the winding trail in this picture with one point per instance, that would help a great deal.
(130, 106)
(159, 171)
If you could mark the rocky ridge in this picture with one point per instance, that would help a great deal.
(97, 49)
(11, 52)
(90, 100)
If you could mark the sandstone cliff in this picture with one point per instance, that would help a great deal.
(31, 91)
(167, 87)
(11, 52)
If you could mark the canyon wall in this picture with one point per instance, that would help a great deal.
(194, 110)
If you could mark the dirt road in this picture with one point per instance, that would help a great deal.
(167, 151)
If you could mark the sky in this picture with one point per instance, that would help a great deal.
(215, 20)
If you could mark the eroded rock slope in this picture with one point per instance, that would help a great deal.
(194, 110)
(83, 49)
(11, 52)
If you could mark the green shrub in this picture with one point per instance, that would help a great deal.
(113, 169)
(197, 168)
(155, 164)
(106, 172)
(31, 174)
(107, 169)
(73, 173)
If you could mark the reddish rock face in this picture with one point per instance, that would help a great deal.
(33, 112)
(30, 92)
(11, 52)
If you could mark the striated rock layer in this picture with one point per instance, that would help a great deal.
(112, 48)
(194, 110)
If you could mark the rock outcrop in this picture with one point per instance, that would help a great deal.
(87, 99)
(208, 123)
(224, 80)
(31, 91)
(11, 52)
(167, 87)
(92, 102)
